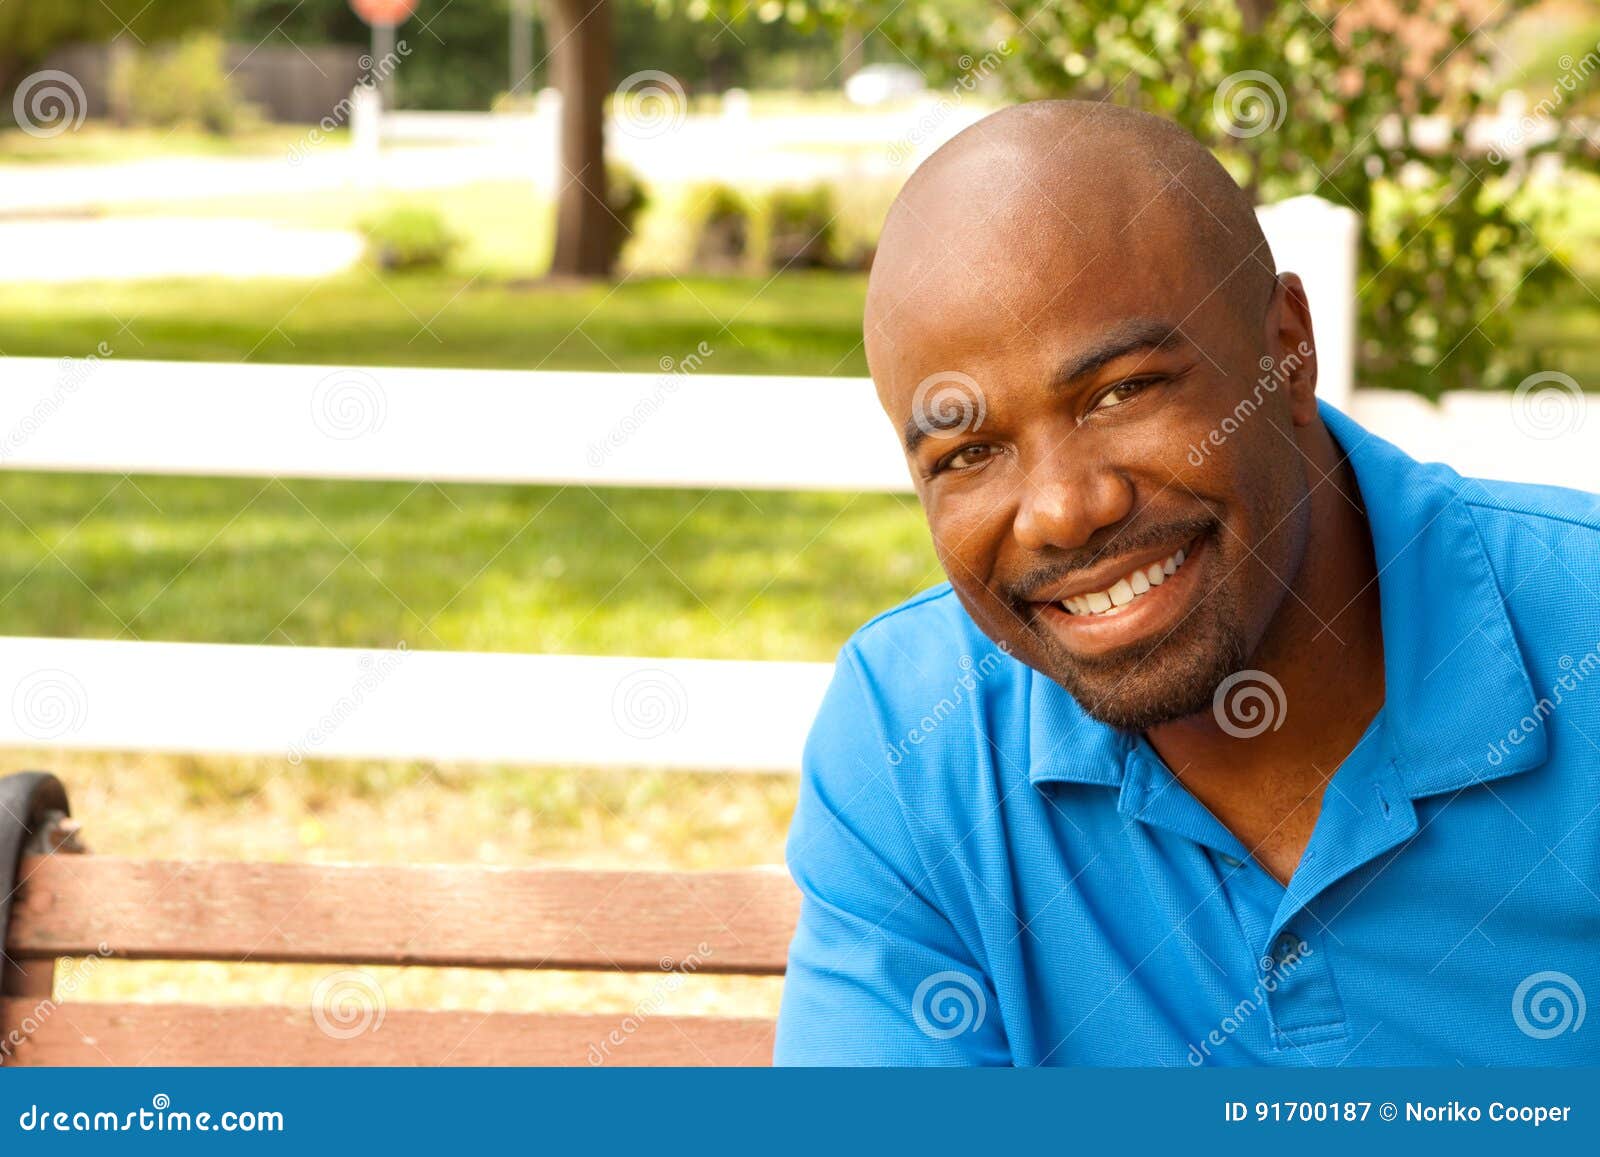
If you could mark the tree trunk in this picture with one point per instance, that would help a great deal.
(580, 33)
(852, 51)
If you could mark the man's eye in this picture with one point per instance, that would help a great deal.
(965, 458)
(1121, 392)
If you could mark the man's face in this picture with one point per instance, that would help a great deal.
(1109, 469)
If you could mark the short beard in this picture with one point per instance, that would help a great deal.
(1151, 684)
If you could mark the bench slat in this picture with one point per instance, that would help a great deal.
(92, 1034)
(737, 922)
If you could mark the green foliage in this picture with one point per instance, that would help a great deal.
(1325, 97)
(29, 31)
(627, 199)
(462, 60)
(762, 231)
(720, 217)
(792, 229)
(185, 85)
(409, 237)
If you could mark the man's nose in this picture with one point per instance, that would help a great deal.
(1063, 507)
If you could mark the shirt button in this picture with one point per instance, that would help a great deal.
(1287, 947)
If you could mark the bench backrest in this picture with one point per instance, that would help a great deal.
(728, 922)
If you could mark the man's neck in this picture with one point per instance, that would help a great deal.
(1325, 648)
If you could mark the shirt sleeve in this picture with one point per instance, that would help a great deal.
(877, 975)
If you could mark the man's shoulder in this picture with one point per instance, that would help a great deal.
(918, 646)
(1527, 529)
(1503, 505)
(921, 672)
(1542, 544)
(924, 622)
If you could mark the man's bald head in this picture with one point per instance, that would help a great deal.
(1076, 325)
(1041, 195)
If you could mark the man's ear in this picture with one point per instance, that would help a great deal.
(1294, 347)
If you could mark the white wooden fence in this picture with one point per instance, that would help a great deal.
(685, 426)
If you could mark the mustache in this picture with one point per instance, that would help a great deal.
(1125, 540)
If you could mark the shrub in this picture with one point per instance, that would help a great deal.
(793, 229)
(626, 197)
(185, 84)
(409, 237)
(721, 217)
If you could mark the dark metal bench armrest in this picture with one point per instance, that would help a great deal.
(33, 807)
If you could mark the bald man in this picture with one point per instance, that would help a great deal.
(1236, 737)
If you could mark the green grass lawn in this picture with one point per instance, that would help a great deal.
(800, 323)
(710, 574)
(97, 142)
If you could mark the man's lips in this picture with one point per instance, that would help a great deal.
(1140, 570)
(1097, 620)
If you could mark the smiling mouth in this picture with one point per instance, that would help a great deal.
(1148, 598)
(1131, 587)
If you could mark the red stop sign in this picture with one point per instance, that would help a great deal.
(383, 11)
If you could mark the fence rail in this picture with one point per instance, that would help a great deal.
(682, 427)
(300, 703)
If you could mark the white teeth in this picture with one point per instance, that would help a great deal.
(1125, 589)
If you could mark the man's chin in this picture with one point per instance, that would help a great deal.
(1139, 691)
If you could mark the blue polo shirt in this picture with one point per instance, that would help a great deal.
(991, 877)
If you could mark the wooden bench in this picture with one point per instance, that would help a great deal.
(66, 905)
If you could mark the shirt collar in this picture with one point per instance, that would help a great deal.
(1456, 681)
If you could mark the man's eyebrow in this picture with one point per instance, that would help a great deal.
(1125, 338)
(914, 434)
